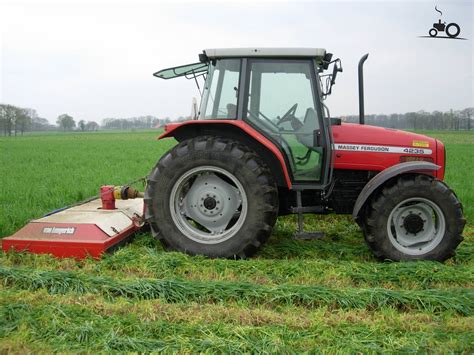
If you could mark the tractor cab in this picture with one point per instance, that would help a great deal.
(277, 91)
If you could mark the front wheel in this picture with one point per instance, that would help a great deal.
(433, 32)
(416, 218)
(211, 196)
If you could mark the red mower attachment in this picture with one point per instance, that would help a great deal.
(85, 230)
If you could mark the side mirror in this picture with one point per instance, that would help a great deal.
(336, 69)
(335, 121)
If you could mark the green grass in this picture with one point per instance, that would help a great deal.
(293, 296)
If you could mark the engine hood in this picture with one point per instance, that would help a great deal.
(364, 147)
(365, 134)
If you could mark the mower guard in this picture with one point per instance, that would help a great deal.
(81, 231)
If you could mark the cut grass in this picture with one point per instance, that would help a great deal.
(84, 323)
(138, 261)
(460, 301)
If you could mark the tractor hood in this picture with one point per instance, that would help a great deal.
(366, 134)
(365, 147)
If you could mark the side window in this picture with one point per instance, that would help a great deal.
(221, 90)
(282, 104)
(281, 86)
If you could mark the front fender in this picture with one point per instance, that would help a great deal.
(379, 179)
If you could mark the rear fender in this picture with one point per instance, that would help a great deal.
(387, 174)
(240, 131)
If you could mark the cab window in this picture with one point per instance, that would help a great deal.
(221, 90)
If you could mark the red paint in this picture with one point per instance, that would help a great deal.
(441, 159)
(107, 197)
(88, 240)
(345, 133)
(365, 134)
(171, 127)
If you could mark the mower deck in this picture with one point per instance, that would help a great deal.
(81, 231)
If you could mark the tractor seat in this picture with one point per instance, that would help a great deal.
(305, 134)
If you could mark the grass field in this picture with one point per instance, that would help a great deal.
(293, 296)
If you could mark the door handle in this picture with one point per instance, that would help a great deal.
(317, 137)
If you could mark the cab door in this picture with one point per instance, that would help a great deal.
(283, 103)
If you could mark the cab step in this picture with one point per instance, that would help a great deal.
(300, 210)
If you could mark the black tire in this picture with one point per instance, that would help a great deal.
(244, 164)
(408, 187)
(433, 32)
(455, 34)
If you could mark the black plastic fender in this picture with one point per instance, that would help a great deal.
(382, 177)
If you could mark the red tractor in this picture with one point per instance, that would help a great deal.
(263, 145)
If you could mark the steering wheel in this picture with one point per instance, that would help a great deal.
(288, 116)
(270, 122)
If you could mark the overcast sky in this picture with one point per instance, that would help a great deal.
(95, 59)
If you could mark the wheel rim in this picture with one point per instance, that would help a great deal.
(208, 204)
(416, 226)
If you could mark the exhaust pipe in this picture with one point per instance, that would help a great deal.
(361, 89)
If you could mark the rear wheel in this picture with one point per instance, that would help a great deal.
(453, 30)
(418, 217)
(211, 196)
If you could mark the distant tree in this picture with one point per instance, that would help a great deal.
(92, 126)
(82, 125)
(39, 124)
(468, 115)
(23, 119)
(66, 122)
(3, 120)
(9, 114)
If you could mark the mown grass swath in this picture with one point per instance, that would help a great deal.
(460, 301)
(79, 328)
(139, 261)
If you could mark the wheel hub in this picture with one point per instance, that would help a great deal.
(413, 223)
(210, 203)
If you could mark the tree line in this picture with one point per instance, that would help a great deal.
(421, 120)
(16, 120)
(141, 122)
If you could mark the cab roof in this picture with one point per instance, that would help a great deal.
(190, 71)
(264, 52)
